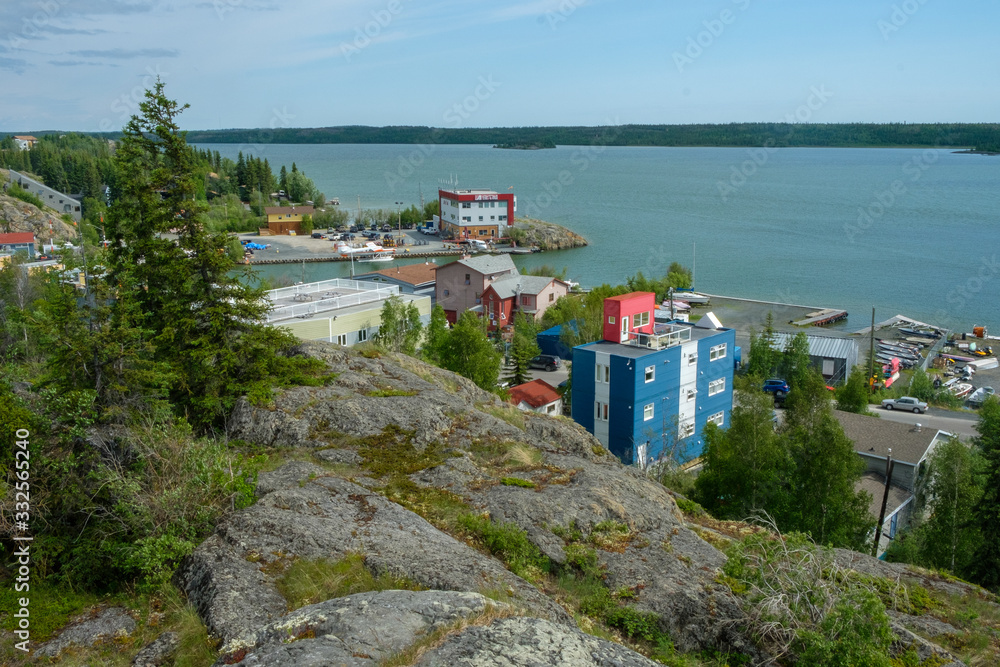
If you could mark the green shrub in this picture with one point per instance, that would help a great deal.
(508, 542)
(18, 192)
(517, 481)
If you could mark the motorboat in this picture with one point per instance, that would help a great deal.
(980, 395)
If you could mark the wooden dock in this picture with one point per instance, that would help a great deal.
(821, 318)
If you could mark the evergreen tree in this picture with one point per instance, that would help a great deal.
(985, 569)
(470, 353)
(400, 329)
(207, 325)
(763, 358)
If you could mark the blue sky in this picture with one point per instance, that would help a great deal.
(82, 64)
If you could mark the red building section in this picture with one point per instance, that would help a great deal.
(628, 313)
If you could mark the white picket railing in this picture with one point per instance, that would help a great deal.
(325, 295)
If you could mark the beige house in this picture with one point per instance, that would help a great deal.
(531, 295)
(460, 285)
(339, 311)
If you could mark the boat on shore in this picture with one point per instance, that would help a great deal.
(960, 389)
(980, 395)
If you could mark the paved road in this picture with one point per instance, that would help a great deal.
(961, 424)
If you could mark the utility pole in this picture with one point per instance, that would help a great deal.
(889, 464)
(871, 357)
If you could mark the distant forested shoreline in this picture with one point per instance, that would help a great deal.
(984, 137)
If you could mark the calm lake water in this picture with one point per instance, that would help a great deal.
(914, 232)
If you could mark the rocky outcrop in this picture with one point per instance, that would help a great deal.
(90, 629)
(19, 216)
(391, 423)
(230, 577)
(158, 652)
(529, 641)
(548, 236)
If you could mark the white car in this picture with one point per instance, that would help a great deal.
(905, 403)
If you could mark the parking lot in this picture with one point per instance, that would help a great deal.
(283, 247)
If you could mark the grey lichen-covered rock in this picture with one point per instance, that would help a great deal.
(229, 578)
(158, 652)
(360, 629)
(905, 640)
(89, 630)
(524, 642)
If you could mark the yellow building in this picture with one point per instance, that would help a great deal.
(339, 311)
(282, 219)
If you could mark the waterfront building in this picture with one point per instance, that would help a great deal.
(476, 214)
(286, 219)
(647, 390)
(410, 278)
(339, 311)
(531, 295)
(461, 284)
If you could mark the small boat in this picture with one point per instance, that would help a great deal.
(980, 395)
(922, 333)
(960, 389)
(378, 257)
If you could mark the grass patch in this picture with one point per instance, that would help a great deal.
(18, 192)
(386, 393)
(391, 452)
(689, 506)
(308, 581)
(505, 456)
(507, 413)
(441, 508)
(611, 535)
(517, 481)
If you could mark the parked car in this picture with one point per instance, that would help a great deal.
(905, 403)
(386, 228)
(545, 361)
(317, 235)
(777, 387)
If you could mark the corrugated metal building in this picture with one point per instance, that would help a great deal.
(835, 358)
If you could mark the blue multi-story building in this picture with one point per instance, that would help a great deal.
(647, 390)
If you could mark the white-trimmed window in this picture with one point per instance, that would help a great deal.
(686, 429)
(691, 393)
(611, 319)
(600, 412)
(692, 359)
(717, 418)
(341, 339)
(602, 373)
(650, 373)
(362, 335)
(640, 319)
(647, 412)
(716, 386)
(717, 352)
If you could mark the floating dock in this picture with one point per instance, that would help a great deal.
(821, 318)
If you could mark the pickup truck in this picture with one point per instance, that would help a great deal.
(905, 403)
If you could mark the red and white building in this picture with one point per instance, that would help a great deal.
(476, 214)
(536, 396)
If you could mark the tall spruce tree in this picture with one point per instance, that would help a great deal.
(205, 323)
(985, 568)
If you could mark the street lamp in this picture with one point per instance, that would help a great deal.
(399, 220)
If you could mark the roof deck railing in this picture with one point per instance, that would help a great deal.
(664, 335)
(325, 295)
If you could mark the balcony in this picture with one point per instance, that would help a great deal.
(663, 336)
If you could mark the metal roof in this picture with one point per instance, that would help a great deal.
(488, 264)
(506, 288)
(826, 347)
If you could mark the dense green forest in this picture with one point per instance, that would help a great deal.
(980, 136)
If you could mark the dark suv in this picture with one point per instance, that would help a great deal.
(545, 361)
(777, 387)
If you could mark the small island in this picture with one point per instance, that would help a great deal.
(527, 145)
